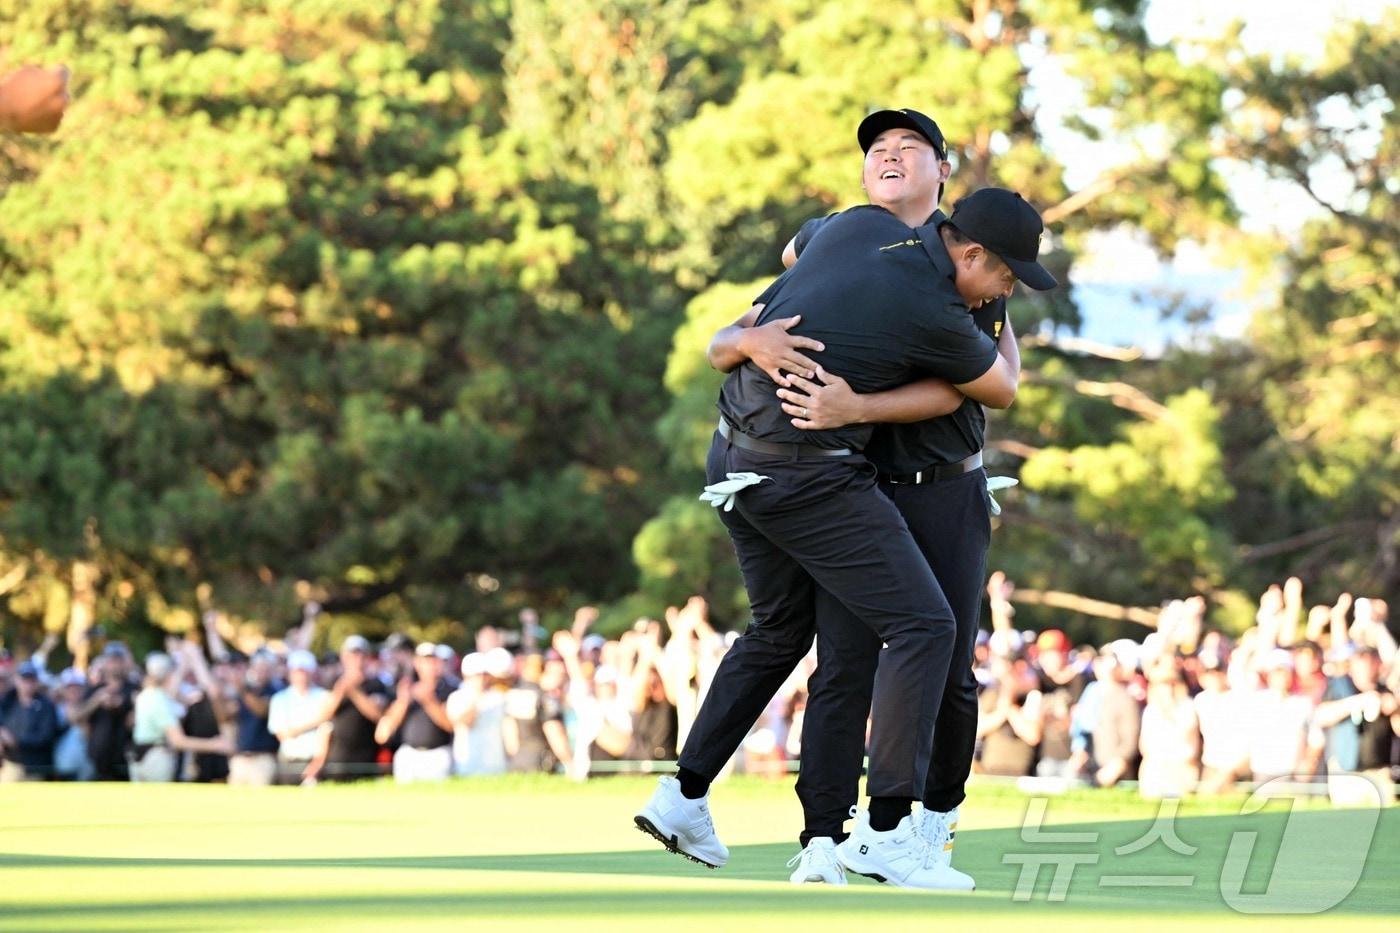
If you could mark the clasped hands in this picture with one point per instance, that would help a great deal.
(814, 399)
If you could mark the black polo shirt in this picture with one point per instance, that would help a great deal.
(908, 448)
(871, 293)
(352, 735)
(418, 728)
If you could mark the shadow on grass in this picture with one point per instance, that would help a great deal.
(661, 881)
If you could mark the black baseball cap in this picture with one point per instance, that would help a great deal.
(882, 120)
(1006, 224)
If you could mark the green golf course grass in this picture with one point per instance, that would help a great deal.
(541, 852)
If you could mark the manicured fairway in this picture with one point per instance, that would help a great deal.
(545, 853)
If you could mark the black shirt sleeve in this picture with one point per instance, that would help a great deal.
(952, 347)
(991, 318)
(766, 296)
(799, 243)
(807, 231)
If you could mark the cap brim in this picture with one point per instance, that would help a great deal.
(881, 120)
(1033, 274)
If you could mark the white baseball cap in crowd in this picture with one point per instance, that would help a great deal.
(473, 664)
(159, 665)
(1126, 652)
(1006, 642)
(499, 662)
(72, 677)
(426, 650)
(356, 643)
(1279, 659)
(444, 652)
(301, 660)
(593, 642)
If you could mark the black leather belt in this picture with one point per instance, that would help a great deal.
(744, 442)
(935, 473)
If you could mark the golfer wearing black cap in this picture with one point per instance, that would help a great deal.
(806, 511)
(930, 467)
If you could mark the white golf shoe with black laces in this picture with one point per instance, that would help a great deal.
(682, 825)
(817, 864)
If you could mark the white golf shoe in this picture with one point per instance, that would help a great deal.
(817, 864)
(901, 857)
(682, 825)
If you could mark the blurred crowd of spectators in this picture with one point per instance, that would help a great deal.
(1300, 694)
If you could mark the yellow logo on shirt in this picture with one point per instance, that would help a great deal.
(996, 329)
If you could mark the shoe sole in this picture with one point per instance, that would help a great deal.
(670, 842)
(874, 876)
(910, 887)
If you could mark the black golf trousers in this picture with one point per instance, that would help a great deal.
(950, 522)
(822, 523)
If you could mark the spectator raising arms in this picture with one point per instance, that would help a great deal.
(1061, 685)
(1361, 717)
(107, 711)
(1185, 708)
(477, 710)
(70, 757)
(254, 762)
(654, 687)
(205, 712)
(533, 729)
(157, 735)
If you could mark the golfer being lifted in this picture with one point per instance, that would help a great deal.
(806, 512)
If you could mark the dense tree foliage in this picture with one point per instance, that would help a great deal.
(401, 307)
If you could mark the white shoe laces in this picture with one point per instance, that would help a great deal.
(927, 854)
(820, 856)
(934, 828)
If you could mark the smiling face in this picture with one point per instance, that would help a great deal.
(903, 173)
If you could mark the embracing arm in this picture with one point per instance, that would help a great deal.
(770, 347)
(790, 253)
(996, 388)
(823, 401)
(826, 401)
(725, 352)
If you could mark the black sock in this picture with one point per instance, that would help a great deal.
(886, 812)
(693, 786)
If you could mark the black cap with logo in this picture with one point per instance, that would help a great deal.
(882, 120)
(1004, 223)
